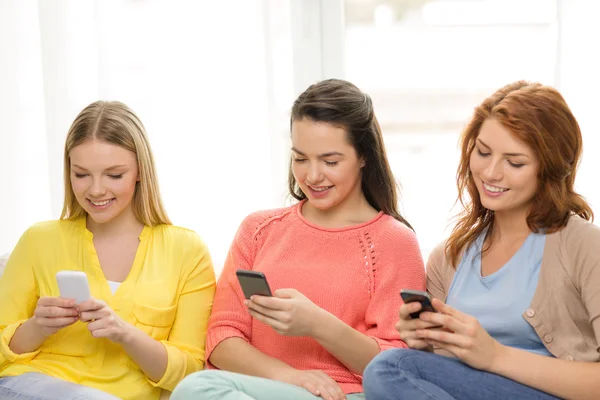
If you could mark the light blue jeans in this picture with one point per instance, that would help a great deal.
(418, 375)
(34, 386)
(224, 385)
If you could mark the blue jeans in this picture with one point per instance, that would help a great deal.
(34, 386)
(413, 374)
(224, 385)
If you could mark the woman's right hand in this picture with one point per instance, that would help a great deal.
(407, 326)
(54, 313)
(315, 381)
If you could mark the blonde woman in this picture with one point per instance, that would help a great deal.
(152, 284)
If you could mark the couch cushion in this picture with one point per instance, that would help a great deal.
(3, 260)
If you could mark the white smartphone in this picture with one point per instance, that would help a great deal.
(73, 285)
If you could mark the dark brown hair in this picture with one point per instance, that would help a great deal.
(342, 104)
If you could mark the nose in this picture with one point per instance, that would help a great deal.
(494, 171)
(97, 189)
(315, 175)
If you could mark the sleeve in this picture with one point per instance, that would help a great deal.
(401, 269)
(230, 317)
(185, 344)
(435, 277)
(18, 298)
(587, 267)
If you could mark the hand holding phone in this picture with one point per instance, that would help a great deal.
(253, 283)
(73, 285)
(409, 296)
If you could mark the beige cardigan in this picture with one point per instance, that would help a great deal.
(565, 310)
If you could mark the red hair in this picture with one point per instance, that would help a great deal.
(538, 116)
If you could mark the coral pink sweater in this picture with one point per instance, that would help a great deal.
(355, 273)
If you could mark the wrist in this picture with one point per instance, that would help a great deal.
(323, 326)
(499, 359)
(127, 335)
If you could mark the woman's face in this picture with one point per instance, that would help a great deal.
(103, 178)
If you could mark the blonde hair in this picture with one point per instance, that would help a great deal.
(113, 122)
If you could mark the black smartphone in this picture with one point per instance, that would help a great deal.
(253, 282)
(408, 296)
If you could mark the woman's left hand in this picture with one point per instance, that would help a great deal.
(102, 321)
(289, 312)
(463, 336)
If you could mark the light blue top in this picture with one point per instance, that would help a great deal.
(499, 300)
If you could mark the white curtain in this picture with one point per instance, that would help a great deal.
(194, 72)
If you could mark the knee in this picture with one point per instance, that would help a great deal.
(387, 364)
(198, 385)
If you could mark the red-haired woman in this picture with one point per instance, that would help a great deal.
(517, 284)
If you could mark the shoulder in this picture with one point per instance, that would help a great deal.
(257, 222)
(437, 256)
(579, 240)
(394, 232)
(52, 229)
(176, 235)
(579, 231)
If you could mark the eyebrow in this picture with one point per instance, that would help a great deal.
(505, 154)
(107, 169)
(324, 155)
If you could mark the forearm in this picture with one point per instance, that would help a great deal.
(231, 355)
(352, 348)
(561, 378)
(149, 354)
(27, 338)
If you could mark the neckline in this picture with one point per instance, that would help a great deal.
(499, 271)
(90, 236)
(312, 225)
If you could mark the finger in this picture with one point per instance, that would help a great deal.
(331, 389)
(97, 324)
(286, 293)
(54, 312)
(448, 310)
(102, 332)
(56, 302)
(91, 305)
(445, 320)
(445, 346)
(57, 322)
(275, 324)
(407, 309)
(273, 303)
(445, 337)
(87, 316)
(275, 314)
(311, 387)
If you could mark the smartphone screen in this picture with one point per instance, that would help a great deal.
(253, 283)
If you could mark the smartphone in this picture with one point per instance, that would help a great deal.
(73, 285)
(253, 282)
(408, 296)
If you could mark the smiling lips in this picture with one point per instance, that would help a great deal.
(101, 203)
(493, 191)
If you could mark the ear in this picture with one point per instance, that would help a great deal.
(363, 162)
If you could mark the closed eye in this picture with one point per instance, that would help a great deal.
(79, 176)
(299, 160)
(119, 176)
(515, 165)
(331, 163)
(482, 154)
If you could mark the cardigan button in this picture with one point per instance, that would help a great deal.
(530, 312)
(548, 338)
(569, 358)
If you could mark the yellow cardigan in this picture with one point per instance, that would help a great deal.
(168, 294)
